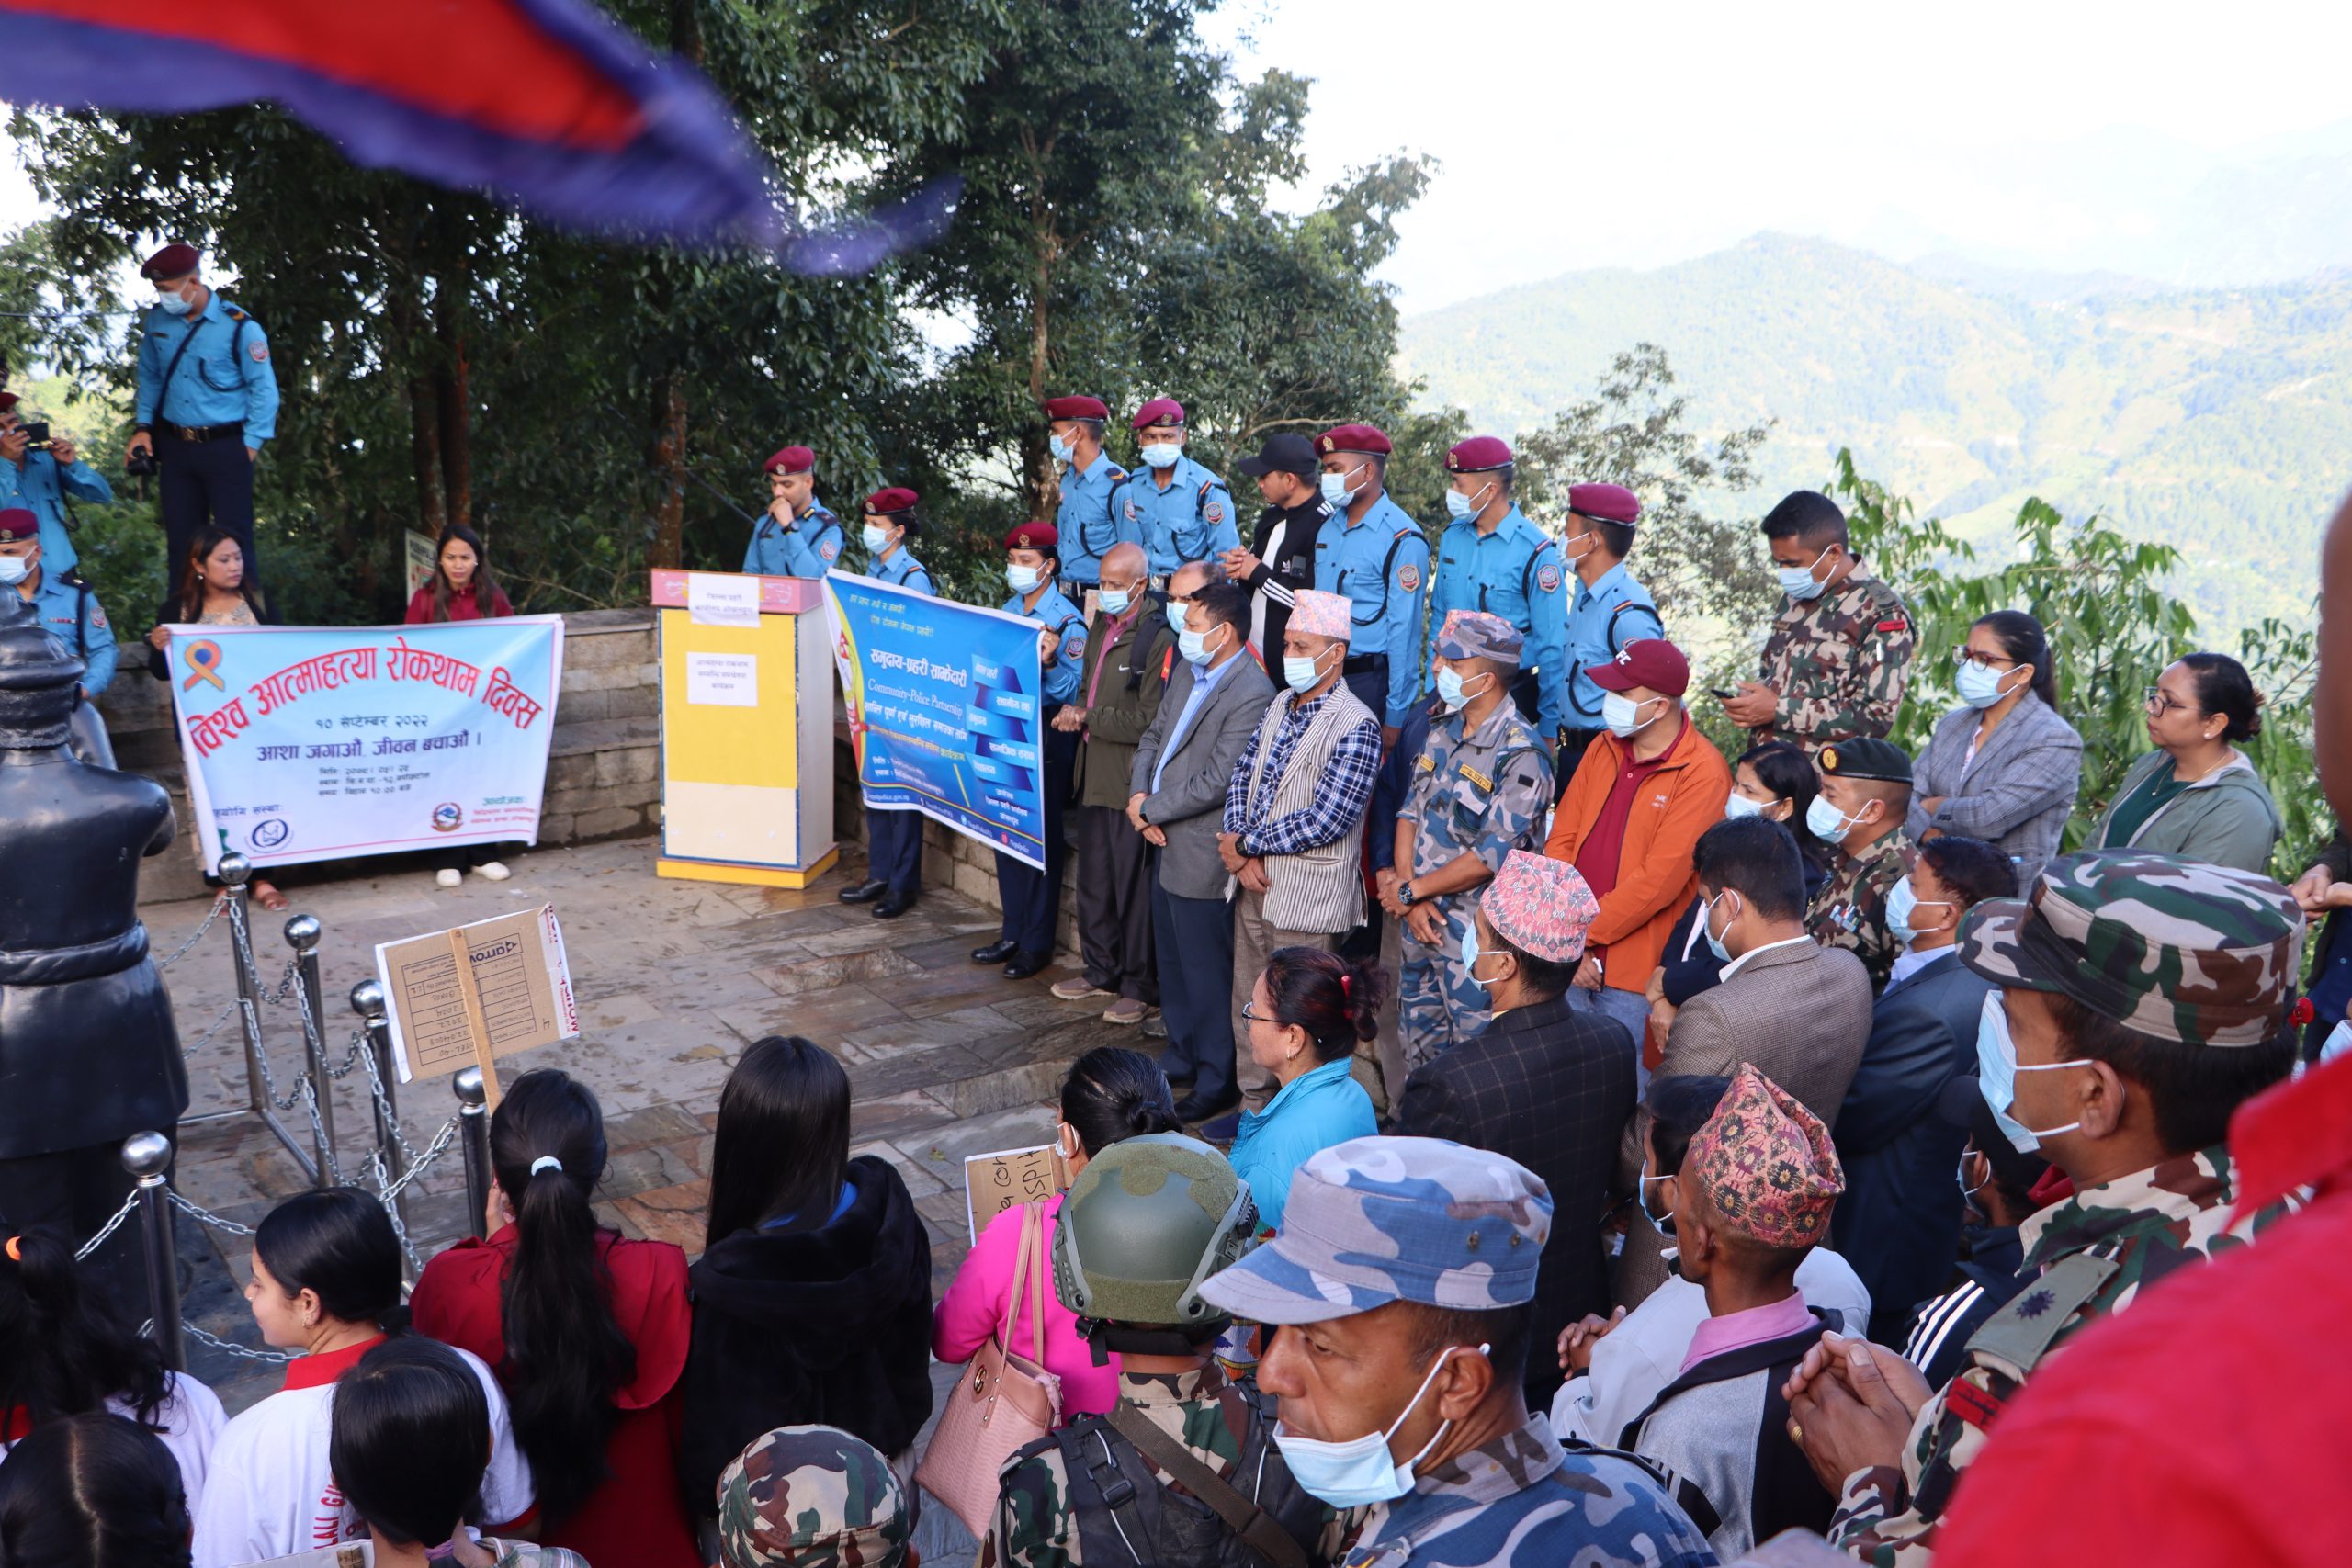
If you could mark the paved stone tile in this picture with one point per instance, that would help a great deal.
(906, 1119)
(675, 1215)
(818, 975)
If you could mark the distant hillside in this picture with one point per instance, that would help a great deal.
(2221, 421)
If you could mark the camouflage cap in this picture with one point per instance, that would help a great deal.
(1379, 1220)
(812, 1497)
(1475, 634)
(2168, 947)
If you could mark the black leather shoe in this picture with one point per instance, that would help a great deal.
(864, 892)
(995, 951)
(1193, 1107)
(1024, 964)
(893, 904)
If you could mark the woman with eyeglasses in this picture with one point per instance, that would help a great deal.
(2197, 795)
(2003, 766)
(1306, 1013)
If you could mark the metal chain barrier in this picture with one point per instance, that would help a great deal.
(227, 1012)
(203, 1216)
(218, 904)
(384, 1106)
(129, 1205)
(272, 1357)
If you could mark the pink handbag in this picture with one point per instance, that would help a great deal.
(1004, 1401)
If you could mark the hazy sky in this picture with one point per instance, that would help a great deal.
(1578, 135)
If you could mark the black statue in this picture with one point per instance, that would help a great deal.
(88, 1053)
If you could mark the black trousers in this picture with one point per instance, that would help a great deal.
(1370, 688)
(1115, 881)
(72, 1192)
(1032, 898)
(894, 849)
(206, 484)
(1194, 938)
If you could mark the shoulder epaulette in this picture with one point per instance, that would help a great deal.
(235, 314)
(2022, 1331)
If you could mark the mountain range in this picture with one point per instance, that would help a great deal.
(2218, 420)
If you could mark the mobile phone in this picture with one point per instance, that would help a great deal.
(1720, 695)
(36, 435)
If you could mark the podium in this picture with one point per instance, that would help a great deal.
(746, 729)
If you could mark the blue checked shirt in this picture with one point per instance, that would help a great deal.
(1345, 789)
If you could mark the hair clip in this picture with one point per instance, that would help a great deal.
(546, 1162)
(15, 1253)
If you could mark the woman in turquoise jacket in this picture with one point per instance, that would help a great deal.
(1306, 1015)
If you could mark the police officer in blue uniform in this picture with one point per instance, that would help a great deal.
(894, 839)
(39, 480)
(1087, 523)
(1379, 558)
(1183, 511)
(69, 611)
(208, 400)
(1031, 899)
(799, 537)
(1492, 558)
(1607, 609)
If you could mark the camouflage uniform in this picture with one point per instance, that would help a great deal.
(1036, 1524)
(1379, 1219)
(1849, 911)
(1839, 664)
(812, 1497)
(2170, 948)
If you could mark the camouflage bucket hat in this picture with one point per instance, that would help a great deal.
(812, 1497)
(2167, 946)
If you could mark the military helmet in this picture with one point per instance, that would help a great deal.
(1146, 1222)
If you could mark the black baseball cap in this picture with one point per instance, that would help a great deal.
(1282, 454)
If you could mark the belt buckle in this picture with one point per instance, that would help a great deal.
(188, 433)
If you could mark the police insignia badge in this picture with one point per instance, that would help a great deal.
(1547, 577)
(1408, 577)
(829, 552)
(1134, 511)
(1214, 512)
(1829, 758)
(260, 352)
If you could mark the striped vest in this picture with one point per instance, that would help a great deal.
(1319, 889)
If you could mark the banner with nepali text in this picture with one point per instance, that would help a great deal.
(307, 743)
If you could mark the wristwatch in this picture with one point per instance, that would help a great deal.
(1405, 894)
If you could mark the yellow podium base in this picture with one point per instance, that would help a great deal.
(749, 875)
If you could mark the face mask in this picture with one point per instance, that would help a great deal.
(1195, 647)
(1161, 453)
(1997, 1075)
(172, 305)
(1460, 507)
(1797, 582)
(1969, 1206)
(1901, 902)
(14, 570)
(1062, 450)
(1301, 674)
(1739, 806)
(1176, 616)
(1715, 943)
(1115, 601)
(1622, 714)
(1024, 578)
(1350, 1475)
(1471, 953)
(1586, 539)
(1664, 1225)
(1336, 490)
(1451, 690)
(877, 539)
(1829, 824)
(1979, 684)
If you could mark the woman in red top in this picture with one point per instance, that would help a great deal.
(462, 590)
(587, 1332)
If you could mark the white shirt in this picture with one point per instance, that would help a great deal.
(1910, 960)
(271, 1494)
(188, 1421)
(1638, 1357)
(1735, 966)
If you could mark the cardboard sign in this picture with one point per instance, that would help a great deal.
(512, 992)
(995, 1182)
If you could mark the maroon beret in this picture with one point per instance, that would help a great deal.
(174, 260)
(1605, 503)
(7, 403)
(1034, 537)
(1353, 438)
(1076, 408)
(897, 498)
(1477, 455)
(793, 460)
(17, 524)
(1159, 411)
(1649, 662)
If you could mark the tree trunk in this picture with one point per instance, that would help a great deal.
(1045, 482)
(455, 407)
(668, 547)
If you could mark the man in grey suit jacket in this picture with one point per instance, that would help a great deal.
(1216, 699)
(1899, 1220)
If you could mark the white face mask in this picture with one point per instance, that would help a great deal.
(174, 304)
(14, 570)
(1739, 806)
(1022, 577)
(1360, 1470)
(1160, 454)
(876, 539)
(1622, 714)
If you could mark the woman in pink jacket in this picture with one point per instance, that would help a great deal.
(1111, 1094)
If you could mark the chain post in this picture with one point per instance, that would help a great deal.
(302, 932)
(235, 871)
(368, 1002)
(146, 1155)
(473, 1117)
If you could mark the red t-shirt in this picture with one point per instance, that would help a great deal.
(637, 1516)
(1604, 842)
(463, 606)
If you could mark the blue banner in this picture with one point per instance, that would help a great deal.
(308, 743)
(943, 711)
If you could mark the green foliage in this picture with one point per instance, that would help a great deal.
(2114, 628)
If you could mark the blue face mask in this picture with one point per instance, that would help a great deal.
(172, 305)
(1739, 806)
(1176, 616)
(1160, 454)
(1471, 953)
(1360, 1470)
(1335, 489)
(1997, 1075)
(13, 571)
(1460, 507)
(1979, 684)
(1062, 450)
(876, 539)
(1715, 943)
(1902, 902)
(1022, 578)
(1300, 674)
(1829, 824)
(1451, 690)
(1195, 647)
(1115, 601)
(1798, 582)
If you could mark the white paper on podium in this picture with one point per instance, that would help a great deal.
(723, 680)
(715, 599)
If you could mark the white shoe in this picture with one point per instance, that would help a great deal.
(448, 877)
(492, 870)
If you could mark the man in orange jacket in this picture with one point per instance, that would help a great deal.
(1630, 821)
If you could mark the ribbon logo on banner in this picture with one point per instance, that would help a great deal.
(204, 658)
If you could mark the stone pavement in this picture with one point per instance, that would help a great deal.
(674, 979)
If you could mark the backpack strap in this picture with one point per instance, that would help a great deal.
(1251, 1522)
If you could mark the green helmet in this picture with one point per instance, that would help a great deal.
(1146, 1222)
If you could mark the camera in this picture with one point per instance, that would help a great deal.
(139, 465)
(36, 435)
